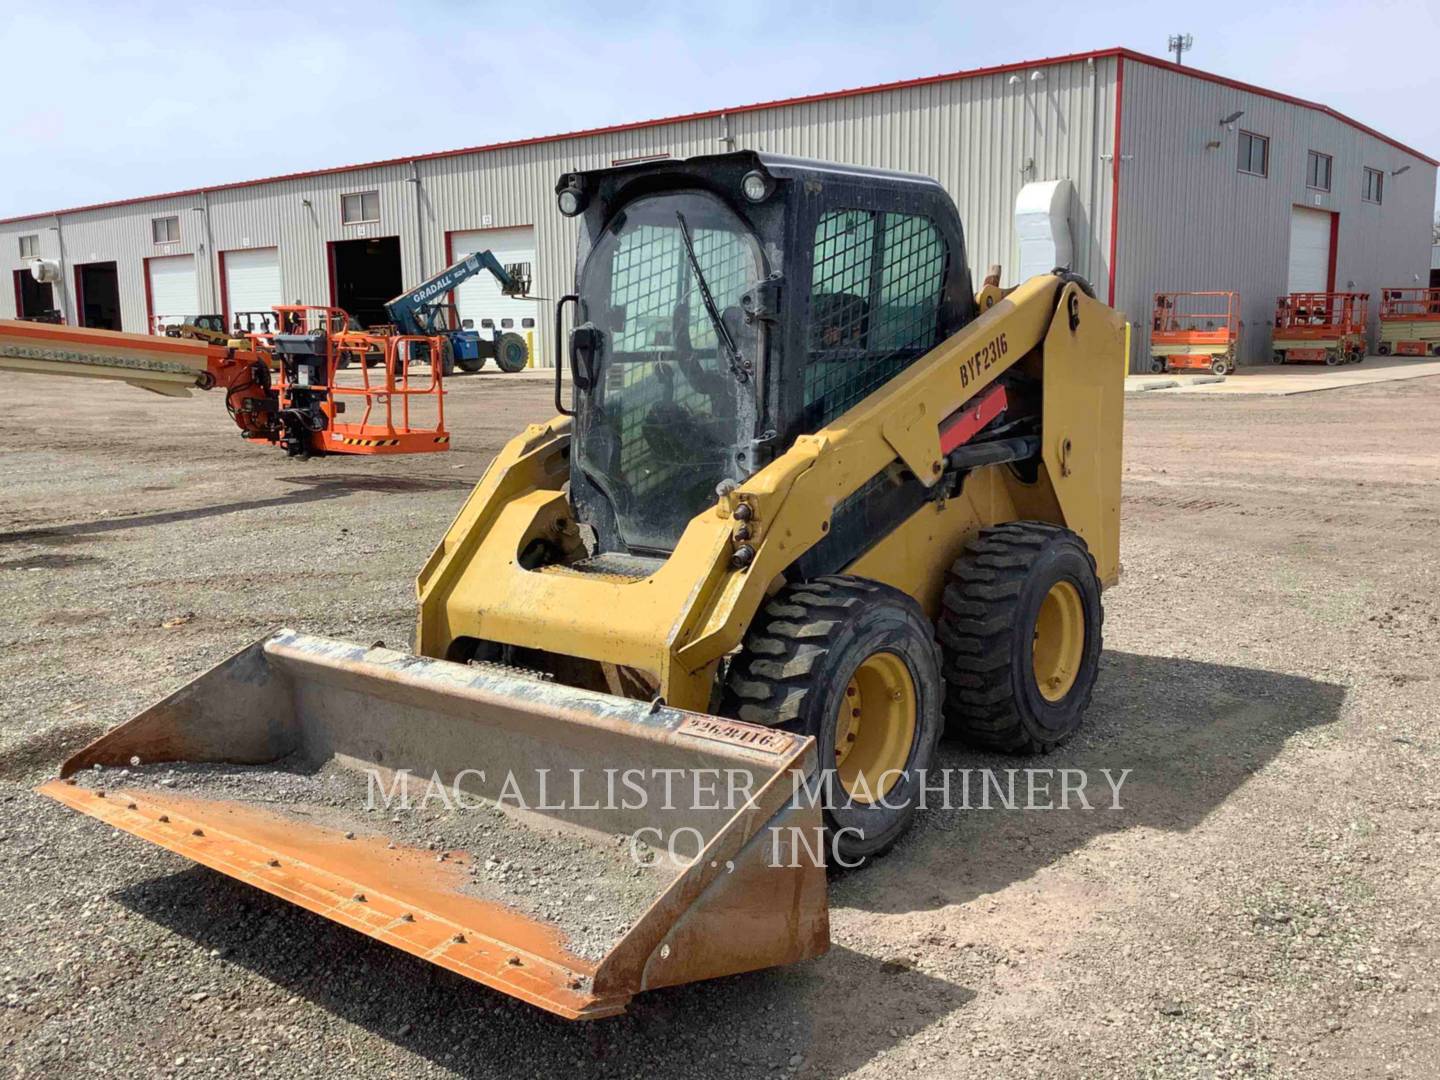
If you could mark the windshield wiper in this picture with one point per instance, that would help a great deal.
(722, 332)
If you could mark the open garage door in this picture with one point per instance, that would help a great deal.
(33, 299)
(364, 276)
(1310, 234)
(97, 295)
(251, 280)
(480, 297)
(174, 295)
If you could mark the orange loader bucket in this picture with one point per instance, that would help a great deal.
(566, 847)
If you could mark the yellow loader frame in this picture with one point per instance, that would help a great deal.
(678, 623)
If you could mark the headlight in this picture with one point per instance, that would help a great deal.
(571, 202)
(756, 186)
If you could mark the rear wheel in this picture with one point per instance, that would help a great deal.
(1277, 357)
(1220, 365)
(471, 364)
(1332, 357)
(1157, 366)
(1020, 627)
(853, 663)
(1383, 348)
(511, 353)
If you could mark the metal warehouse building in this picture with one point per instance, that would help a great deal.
(1169, 178)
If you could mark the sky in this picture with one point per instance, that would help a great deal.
(121, 99)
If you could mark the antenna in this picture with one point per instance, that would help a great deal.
(1179, 45)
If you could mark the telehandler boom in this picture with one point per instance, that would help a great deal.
(808, 502)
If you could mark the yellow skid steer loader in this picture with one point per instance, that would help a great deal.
(808, 502)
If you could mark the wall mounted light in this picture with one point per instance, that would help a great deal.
(1403, 168)
(1228, 123)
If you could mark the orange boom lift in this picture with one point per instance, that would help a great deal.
(1195, 331)
(1409, 322)
(1320, 328)
(286, 389)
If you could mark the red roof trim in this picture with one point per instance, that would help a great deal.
(710, 114)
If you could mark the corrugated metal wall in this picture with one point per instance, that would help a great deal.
(983, 137)
(1190, 220)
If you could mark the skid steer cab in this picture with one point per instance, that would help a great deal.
(806, 507)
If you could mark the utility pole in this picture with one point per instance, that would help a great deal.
(1179, 45)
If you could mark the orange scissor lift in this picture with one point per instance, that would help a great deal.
(1320, 328)
(1409, 322)
(1195, 331)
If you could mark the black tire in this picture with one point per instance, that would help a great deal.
(1383, 348)
(1333, 358)
(447, 359)
(1277, 357)
(987, 629)
(470, 364)
(1157, 366)
(511, 353)
(1220, 365)
(794, 670)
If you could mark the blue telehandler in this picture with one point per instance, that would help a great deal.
(422, 312)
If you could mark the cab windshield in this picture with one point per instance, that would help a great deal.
(666, 417)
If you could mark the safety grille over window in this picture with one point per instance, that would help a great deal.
(875, 300)
(651, 280)
(652, 283)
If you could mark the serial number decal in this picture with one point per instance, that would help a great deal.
(772, 742)
(986, 357)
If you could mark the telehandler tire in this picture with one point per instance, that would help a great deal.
(511, 353)
(1020, 629)
(853, 663)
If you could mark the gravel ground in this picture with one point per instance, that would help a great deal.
(1267, 902)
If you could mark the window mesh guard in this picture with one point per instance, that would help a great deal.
(876, 289)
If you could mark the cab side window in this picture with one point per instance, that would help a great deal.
(876, 291)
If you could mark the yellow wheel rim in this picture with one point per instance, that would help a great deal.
(1059, 644)
(875, 727)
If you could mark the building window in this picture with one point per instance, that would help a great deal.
(165, 230)
(29, 247)
(1254, 154)
(362, 206)
(1317, 171)
(1374, 189)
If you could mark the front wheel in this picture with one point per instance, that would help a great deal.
(853, 663)
(1020, 629)
(511, 353)
(1220, 365)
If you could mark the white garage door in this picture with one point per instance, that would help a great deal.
(1309, 250)
(252, 281)
(480, 297)
(173, 293)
